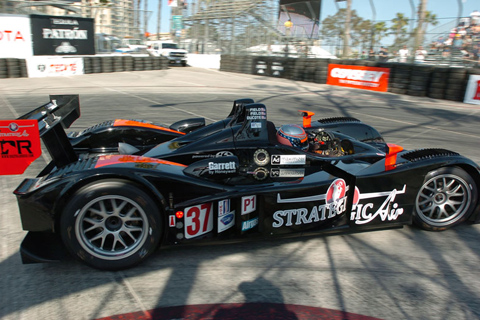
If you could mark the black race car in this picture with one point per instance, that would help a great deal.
(231, 180)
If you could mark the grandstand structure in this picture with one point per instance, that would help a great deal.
(233, 26)
(203, 26)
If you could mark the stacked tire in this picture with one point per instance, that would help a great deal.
(138, 64)
(260, 66)
(118, 64)
(87, 65)
(127, 63)
(107, 64)
(321, 71)
(244, 64)
(438, 83)
(419, 81)
(157, 63)
(96, 65)
(3, 68)
(299, 69)
(400, 78)
(13, 68)
(226, 63)
(147, 63)
(310, 68)
(456, 84)
(276, 67)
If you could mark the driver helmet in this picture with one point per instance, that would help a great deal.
(293, 135)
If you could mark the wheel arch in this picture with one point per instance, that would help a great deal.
(138, 181)
(475, 174)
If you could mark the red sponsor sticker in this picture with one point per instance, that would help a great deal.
(19, 145)
(367, 78)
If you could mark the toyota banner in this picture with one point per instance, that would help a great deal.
(55, 35)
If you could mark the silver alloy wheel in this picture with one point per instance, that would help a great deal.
(443, 200)
(111, 227)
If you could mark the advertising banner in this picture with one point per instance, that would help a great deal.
(472, 94)
(15, 38)
(367, 78)
(55, 35)
(54, 67)
(19, 145)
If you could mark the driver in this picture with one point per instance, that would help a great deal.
(295, 136)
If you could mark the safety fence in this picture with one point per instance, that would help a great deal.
(17, 68)
(439, 82)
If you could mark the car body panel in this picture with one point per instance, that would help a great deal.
(234, 181)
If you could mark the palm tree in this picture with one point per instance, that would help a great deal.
(421, 20)
(398, 27)
(379, 30)
(430, 18)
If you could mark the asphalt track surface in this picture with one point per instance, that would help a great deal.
(396, 274)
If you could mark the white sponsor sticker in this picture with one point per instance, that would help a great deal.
(249, 204)
(296, 159)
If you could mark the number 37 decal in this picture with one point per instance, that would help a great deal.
(198, 220)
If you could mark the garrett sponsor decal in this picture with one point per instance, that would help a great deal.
(368, 78)
(219, 168)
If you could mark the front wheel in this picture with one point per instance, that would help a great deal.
(111, 225)
(447, 197)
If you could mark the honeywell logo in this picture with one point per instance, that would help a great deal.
(358, 75)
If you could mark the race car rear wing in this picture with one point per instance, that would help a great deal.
(53, 117)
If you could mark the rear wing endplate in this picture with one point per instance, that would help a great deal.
(53, 117)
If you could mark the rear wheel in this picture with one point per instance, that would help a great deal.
(447, 197)
(111, 225)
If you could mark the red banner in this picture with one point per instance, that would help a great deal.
(368, 78)
(19, 145)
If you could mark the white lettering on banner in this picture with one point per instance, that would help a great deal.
(250, 224)
(362, 75)
(388, 210)
(64, 21)
(14, 134)
(302, 216)
(60, 67)
(9, 35)
(335, 199)
(335, 202)
(222, 168)
(65, 34)
(53, 67)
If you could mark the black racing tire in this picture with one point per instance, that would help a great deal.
(446, 198)
(111, 225)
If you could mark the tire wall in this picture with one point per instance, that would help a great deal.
(13, 68)
(438, 82)
(17, 68)
(123, 63)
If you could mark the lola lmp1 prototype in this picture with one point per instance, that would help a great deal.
(229, 180)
